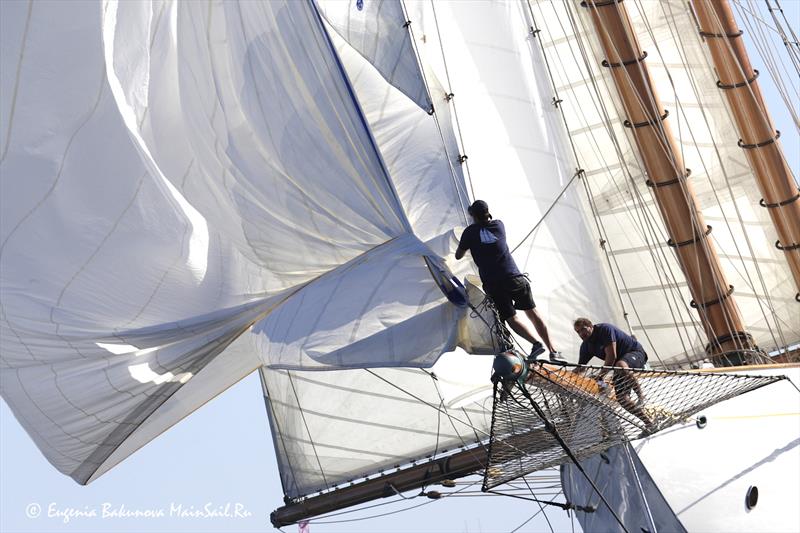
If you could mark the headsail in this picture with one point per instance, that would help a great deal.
(204, 115)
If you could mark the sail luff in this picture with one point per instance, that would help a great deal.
(673, 192)
(758, 137)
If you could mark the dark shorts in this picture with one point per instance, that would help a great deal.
(510, 294)
(623, 381)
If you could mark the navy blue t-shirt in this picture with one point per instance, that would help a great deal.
(603, 335)
(487, 244)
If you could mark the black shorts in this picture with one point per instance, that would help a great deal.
(623, 381)
(510, 294)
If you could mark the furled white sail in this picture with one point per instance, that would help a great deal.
(196, 166)
(655, 292)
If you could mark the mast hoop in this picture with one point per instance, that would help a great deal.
(721, 35)
(771, 140)
(602, 3)
(673, 244)
(673, 181)
(639, 59)
(745, 83)
(787, 248)
(791, 200)
(745, 338)
(662, 118)
(705, 305)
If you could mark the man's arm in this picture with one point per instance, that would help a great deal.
(460, 252)
(611, 357)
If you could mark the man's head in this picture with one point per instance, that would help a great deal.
(583, 327)
(479, 210)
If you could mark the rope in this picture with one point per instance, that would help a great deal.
(547, 212)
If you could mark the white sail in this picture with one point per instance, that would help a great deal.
(165, 201)
(378, 31)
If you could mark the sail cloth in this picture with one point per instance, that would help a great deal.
(377, 29)
(330, 428)
(159, 199)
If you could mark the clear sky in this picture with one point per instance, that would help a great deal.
(222, 456)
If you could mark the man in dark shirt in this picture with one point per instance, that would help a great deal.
(618, 349)
(502, 281)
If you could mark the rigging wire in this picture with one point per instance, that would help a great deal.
(763, 114)
(681, 108)
(547, 212)
(305, 424)
(765, 48)
(639, 202)
(535, 31)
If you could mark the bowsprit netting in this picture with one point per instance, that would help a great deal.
(590, 415)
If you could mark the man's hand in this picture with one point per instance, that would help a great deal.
(460, 252)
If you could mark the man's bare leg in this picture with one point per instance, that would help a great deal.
(521, 329)
(541, 329)
(625, 401)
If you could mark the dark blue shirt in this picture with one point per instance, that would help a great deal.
(603, 335)
(487, 244)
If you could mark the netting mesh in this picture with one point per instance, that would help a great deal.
(591, 416)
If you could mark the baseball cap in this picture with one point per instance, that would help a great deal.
(478, 208)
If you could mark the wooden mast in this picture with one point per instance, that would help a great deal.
(758, 137)
(674, 194)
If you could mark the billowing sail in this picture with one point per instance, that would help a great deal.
(206, 165)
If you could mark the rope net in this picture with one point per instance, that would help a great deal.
(591, 414)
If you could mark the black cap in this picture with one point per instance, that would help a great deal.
(478, 208)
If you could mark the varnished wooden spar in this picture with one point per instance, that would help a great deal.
(650, 125)
(759, 139)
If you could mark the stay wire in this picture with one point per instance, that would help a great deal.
(549, 209)
(451, 99)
